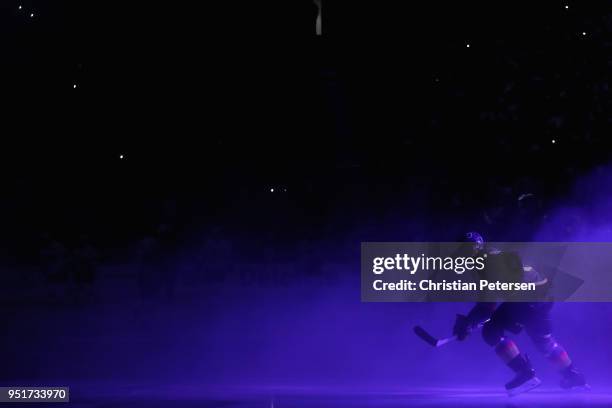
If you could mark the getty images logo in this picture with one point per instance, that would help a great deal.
(412, 264)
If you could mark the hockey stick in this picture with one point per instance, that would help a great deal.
(431, 340)
(436, 342)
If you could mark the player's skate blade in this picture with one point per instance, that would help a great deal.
(579, 388)
(527, 385)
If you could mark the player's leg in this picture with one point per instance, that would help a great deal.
(493, 334)
(539, 328)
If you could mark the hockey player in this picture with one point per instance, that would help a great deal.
(513, 317)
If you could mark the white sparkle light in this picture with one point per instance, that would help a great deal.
(31, 15)
(121, 156)
(583, 33)
(74, 86)
(19, 8)
(467, 45)
(271, 190)
(553, 141)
